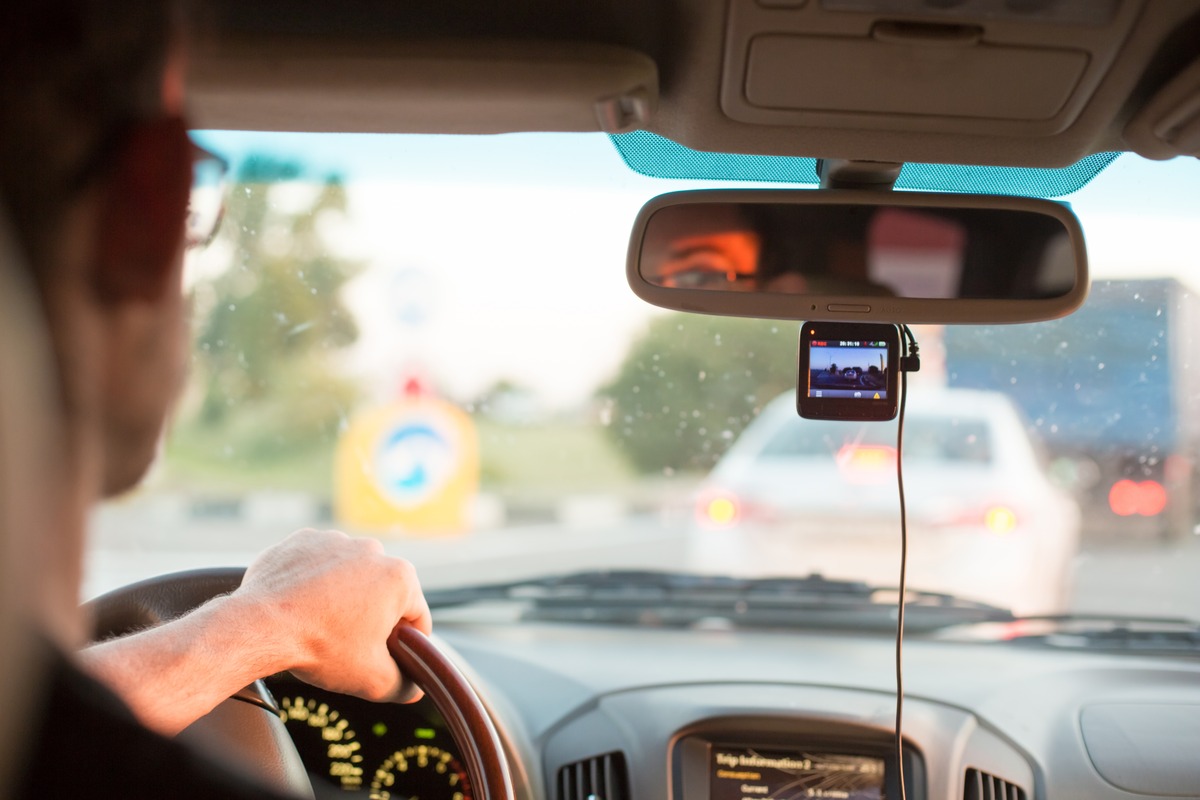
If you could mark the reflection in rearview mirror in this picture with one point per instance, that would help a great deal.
(859, 251)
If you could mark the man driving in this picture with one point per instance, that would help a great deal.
(96, 168)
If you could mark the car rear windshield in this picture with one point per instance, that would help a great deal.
(957, 439)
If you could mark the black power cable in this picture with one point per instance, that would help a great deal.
(909, 362)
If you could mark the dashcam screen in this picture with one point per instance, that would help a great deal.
(848, 369)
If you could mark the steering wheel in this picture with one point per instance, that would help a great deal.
(250, 719)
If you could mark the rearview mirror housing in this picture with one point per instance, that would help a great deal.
(850, 255)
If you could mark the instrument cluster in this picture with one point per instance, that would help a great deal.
(371, 750)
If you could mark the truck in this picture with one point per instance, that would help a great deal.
(1104, 390)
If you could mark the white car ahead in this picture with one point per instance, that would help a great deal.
(985, 522)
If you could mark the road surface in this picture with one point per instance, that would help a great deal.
(1130, 577)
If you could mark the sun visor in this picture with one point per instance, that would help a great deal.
(445, 87)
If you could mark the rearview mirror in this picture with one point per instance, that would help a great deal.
(858, 255)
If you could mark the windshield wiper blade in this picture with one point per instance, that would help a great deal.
(615, 584)
(1108, 632)
(677, 599)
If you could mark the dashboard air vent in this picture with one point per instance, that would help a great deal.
(982, 786)
(597, 778)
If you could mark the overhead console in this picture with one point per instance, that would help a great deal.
(909, 65)
(984, 82)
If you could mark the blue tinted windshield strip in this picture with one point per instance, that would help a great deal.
(1025, 181)
(658, 157)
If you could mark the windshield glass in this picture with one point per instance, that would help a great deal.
(429, 339)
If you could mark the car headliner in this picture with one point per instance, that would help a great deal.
(688, 70)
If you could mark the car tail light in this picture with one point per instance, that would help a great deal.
(718, 509)
(997, 519)
(1000, 520)
(866, 464)
(1127, 498)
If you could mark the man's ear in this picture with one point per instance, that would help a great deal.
(143, 213)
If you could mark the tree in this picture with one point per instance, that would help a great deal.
(690, 384)
(269, 324)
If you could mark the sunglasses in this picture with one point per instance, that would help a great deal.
(206, 203)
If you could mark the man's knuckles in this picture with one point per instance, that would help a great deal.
(381, 685)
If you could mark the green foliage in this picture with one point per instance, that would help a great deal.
(549, 458)
(269, 325)
(691, 383)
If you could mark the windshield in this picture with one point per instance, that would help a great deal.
(429, 340)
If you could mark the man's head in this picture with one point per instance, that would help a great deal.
(702, 246)
(95, 170)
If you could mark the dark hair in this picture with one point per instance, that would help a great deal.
(73, 73)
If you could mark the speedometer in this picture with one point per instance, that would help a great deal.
(381, 750)
(319, 730)
(421, 772)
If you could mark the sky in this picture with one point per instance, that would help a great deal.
(503, 257)
(860, 357)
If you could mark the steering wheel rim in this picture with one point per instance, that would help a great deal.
(166, 597)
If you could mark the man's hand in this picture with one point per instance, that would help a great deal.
(319, 603)
(333, 602)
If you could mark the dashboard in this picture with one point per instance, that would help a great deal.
(631, 713)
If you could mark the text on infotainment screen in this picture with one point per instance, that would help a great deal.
(754, 774)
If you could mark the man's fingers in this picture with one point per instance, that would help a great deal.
(415, 608)
(408, 692)
(392, 686)
(419, 615)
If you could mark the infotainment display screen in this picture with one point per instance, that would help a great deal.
(741, 773)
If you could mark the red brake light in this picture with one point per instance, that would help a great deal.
(1127, 498)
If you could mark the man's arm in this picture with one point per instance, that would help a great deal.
(319, 603)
